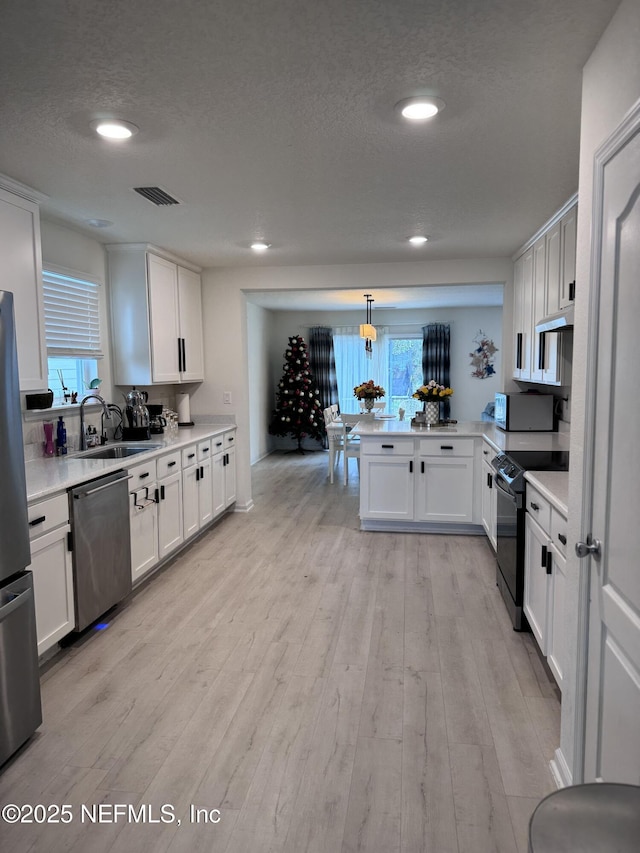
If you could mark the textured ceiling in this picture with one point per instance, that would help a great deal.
(275, 119)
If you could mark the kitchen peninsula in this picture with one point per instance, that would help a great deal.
(415, 478)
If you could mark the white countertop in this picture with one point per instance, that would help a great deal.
(47, 476)
(554, 486)
(501, 441)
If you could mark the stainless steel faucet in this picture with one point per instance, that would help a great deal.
(105, 412)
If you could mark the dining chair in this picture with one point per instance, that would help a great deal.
(351, 442)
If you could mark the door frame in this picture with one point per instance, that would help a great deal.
(628, 127)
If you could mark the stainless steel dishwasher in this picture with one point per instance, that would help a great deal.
(101, 545)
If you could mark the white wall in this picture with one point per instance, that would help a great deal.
(611, 86)
(470, 395)
(259, 335)
(225, 322)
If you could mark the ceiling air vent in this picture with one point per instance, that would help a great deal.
(156, 195)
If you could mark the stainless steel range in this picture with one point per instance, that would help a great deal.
(509, 480)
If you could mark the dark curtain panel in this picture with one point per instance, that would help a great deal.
(436, 359)
(322, 364)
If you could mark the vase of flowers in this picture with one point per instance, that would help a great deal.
(431, 395)
(368, 392)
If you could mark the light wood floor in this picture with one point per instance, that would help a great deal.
(324, 688)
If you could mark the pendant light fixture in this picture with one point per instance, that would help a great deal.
(367, 330)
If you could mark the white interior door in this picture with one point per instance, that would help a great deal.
(612, 742)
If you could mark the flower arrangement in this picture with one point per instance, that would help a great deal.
(368, 391)
(432, 392)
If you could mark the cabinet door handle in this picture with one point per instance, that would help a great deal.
(69, 541)
(190, 455)
(543, 556)
(541, 351)
(184, 356)
(519, 350)
(230, 439)
(534, 506)
(202, 472)
(411, 467)
(37, 521)
(206, 449)
(572, 291)
(485, 452)
(179, 356)
(218, 444)
(387, 446)
(562, 538)
(171, 464)
(161, 493)
(422, 466)
(446, 447)
(549, 561)
(197, 474)
(143, 476)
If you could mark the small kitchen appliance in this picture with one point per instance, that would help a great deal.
(137, 415)
(524, 412)
(156, 422)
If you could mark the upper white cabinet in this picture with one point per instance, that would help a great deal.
(156, 317)
(544, 283)
(21, 274)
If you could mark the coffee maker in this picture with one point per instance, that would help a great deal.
(137, 415)
(156, 422)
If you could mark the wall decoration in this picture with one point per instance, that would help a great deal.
(482, 356)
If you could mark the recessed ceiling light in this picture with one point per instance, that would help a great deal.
(114, 128)
(420, 109)
(260, 246)
(99, 223)
(418, 240)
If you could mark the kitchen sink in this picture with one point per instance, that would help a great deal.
(117, 451)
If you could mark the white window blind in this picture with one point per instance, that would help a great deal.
(72, 316)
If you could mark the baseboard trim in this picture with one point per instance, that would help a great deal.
(246, 507)
(461, 529)
(560, 770)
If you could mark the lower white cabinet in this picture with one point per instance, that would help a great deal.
(169, 498)
(229, 470)
(489, 503)
(545, 580)
(51, 565)
(429, 480)
(143, 519)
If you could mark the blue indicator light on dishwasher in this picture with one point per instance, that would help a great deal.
(101, 626)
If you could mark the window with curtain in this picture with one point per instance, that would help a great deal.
(73, 333)
(395, 363)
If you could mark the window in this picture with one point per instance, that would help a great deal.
(72, 324)
(396, 364)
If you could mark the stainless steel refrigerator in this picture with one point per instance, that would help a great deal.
(20, 709)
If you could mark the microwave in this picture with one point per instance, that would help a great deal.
(523, 412)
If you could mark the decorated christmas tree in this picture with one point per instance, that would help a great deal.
(298, 412)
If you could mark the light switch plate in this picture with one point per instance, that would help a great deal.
(226, 398)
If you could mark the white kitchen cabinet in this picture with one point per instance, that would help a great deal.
(445, 489)
(428, 481)
(156, 316)
(387, 487)
(52, 567)
(568, 228)
(544, 282)
(522, 314)
(197, 487)
(170, 518)
(21, 273)
(230, 469)
(537, 588)
(143, 518)
(545, 578)
(489, 501)
(218, 466)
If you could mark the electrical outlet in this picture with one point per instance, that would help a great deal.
(226, 398)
